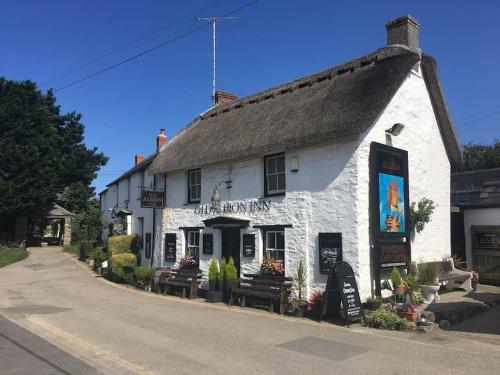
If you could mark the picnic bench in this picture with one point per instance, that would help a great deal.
(185, 280)
(272, 289)
(454, 278)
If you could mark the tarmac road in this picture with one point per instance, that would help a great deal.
(98, 326)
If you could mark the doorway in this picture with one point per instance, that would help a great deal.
(231, 246)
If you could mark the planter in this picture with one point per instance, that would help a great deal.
(315, 311)
(212, 285)
(474, 284)
(430, 293)
(214, 296)
(410, 315)
(300, 311)
(227, 290)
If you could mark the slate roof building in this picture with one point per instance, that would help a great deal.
(318, 169)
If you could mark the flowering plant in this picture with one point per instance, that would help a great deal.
(189, 261)
(272, 267)
(315, 299)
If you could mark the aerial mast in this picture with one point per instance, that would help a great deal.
(213, 21)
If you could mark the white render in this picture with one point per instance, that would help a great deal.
(329, 193)
(477, 216)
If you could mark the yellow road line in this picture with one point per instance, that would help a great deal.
(74, 340)
(369, 332)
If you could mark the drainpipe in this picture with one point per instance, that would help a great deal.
(154, 227)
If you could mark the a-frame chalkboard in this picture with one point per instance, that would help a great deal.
(342, 295)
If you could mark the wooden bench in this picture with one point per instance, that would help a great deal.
(185, 279)
(161, 273)
(273, 289)
(454, 278)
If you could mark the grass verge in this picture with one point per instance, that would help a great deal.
(72, 249)
(12, 255)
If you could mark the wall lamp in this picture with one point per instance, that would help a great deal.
(395, 129)
(216, 196)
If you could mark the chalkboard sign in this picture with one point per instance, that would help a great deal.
(330, 251)
(393, 254)
(170, 247)
(208, 243)
(342, 293)
(148, 245)
(249, 245)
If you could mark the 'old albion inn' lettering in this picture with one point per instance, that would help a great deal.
(321, 167)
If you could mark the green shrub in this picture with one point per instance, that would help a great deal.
(143, 275)
(99, 255)
(411, 282)
(213, 269)
(122, 266)
(396, 277)
(72, 249)
(231, 271)
(427, 273)
(123, 244)
(11, 255)
(384, 319)
(85, 249)
(222, 270)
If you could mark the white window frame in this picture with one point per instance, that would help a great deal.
(191, 198)
(274, 251)
(193, 243)
(274, 159)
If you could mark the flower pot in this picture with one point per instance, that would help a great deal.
(314, 311)
(227, 290)
(430, 293)
(212, 285)
(410, 315)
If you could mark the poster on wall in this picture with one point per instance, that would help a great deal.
(170, 247)
(208, 243)
(389, 190)
(330, 251)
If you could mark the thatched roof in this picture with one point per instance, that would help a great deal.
(325, 107)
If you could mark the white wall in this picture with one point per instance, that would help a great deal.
(429, 172)
(478, 216)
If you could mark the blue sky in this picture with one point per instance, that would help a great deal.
(272, 42)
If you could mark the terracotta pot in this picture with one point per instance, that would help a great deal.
(411, 316)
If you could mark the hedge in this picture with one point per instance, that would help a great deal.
(99, 255)
(122, 266)
(123, 244)
(85, 249)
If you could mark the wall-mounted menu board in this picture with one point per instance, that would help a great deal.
(393, 254)
(330, 251)
(170, 247)
(148, 245)
(249, 245)
(208, 243)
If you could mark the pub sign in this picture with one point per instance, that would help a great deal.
(393, 254)
(152, 199)
(249, 245)
(485, 237)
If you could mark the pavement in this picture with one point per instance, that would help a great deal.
(98, 326)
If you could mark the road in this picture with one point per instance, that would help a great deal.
(112, 329)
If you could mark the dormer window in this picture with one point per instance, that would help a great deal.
(194, 186)
(274, 175)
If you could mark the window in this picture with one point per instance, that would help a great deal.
(275, 244)
(193, 243)
(194, 185)
(275, 182)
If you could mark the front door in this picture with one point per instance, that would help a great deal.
(231, 246)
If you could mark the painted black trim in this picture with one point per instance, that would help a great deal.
(273, 226)
(266, 193)
(191, 228)
(223, 220)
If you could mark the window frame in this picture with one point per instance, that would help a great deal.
(187, 250)
(274, 249)
(273, 193)
(189, 185)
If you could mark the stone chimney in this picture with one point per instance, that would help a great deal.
(223, 98)
(161, 140)
(403, 30)
(139, 158)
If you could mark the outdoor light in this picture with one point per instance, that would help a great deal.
(216, 198)
(294, 164)
(395, 129)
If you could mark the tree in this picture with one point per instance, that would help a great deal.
(86, 225)
(481, 156)
(41, 150)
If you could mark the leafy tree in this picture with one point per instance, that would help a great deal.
(86, 225)
(481, 156)
(75, 196)
(41, 150)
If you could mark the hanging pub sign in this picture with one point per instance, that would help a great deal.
(485, 237)
(330, 251)
(152, 199)
(170, 247)
(393, 254)
(389, 190)
(208, 243)
(147, 249)
(249, 245)
(342, 295)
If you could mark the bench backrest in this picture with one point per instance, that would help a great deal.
(276, 284)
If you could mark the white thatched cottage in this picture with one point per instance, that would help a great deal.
(318, 168)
